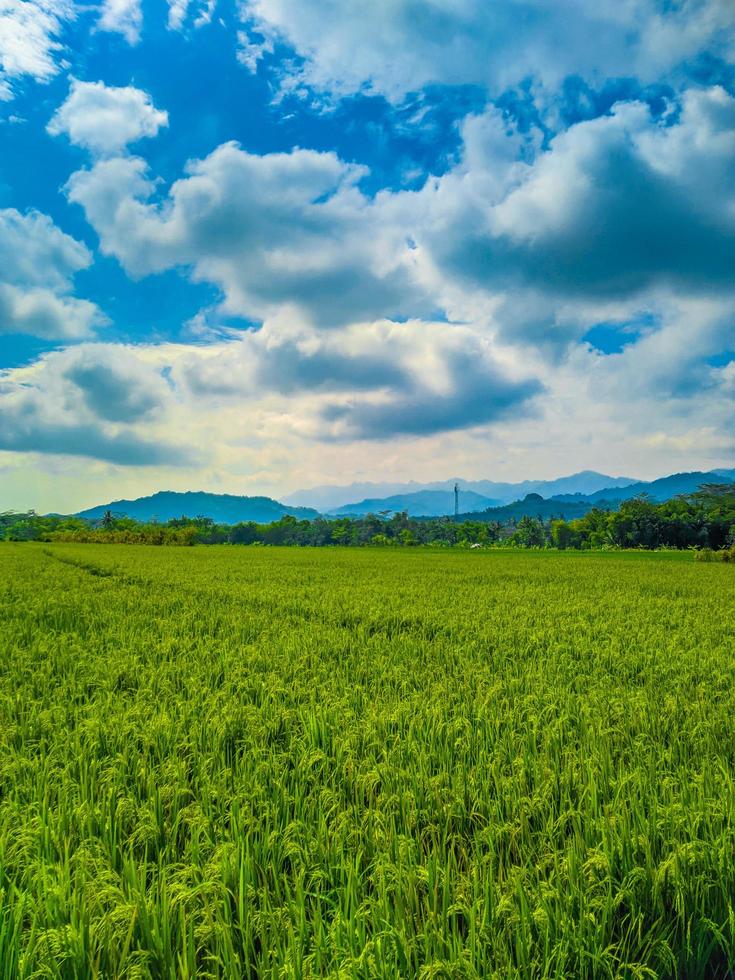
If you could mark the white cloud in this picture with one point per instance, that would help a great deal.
(37, 266)
(43, 313)
(177, 11)
(111, 383)
(34, 251)
(122, 17)
(286, 389)
(250, 51)
(608, 212)
(104, 119)
(284, 228)
(398, 46)
(29, 39)
(180, 10)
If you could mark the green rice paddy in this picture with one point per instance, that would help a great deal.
(290, 763)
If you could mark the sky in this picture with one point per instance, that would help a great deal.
(251, 246)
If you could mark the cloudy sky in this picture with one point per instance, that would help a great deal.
(255, 245)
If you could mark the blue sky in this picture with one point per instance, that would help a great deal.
(259, 245)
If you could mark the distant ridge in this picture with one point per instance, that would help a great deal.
(585, 489)
(423, 503)
(663, 489)
(223, 508)
(329, 498)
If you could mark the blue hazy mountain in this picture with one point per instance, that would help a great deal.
(659, 490)
(330, 498)
(422, 503)
(524, 498)
(223, 508)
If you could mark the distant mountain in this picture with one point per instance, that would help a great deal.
(663, 489)
(586, 482)
(329, 498)
(223, 508)
(422, 503)
(536, 498)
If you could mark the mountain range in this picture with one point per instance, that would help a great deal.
(586, 488)
(329, 499)
(422, 503)
(571, 496)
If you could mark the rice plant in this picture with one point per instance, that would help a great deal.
(294, 763)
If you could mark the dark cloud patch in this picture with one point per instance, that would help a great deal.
(479, 394)
(289, 368)
(259, 364)
(110, 395)
(24, 429)
(627, 230)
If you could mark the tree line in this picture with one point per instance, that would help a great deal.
(704, 521)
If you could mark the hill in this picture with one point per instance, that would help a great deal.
(223, 508)
(423, 503)
(534, 505)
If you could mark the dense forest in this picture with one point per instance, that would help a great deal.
(704, 520)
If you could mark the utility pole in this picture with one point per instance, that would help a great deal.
(456, 500)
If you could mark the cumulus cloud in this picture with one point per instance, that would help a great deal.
(617, 210)
(671, 364)
(35, 251)
(283, 228)
(122, 17)
(37, 266)
(399, 46)
(29, 39)
(609, 210)
(290, 360)
(42, 313)
(532, 243)
(104, 119)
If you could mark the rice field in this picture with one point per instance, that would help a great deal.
(291, 763)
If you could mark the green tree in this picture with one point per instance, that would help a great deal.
(563, 535)
(529, 533)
